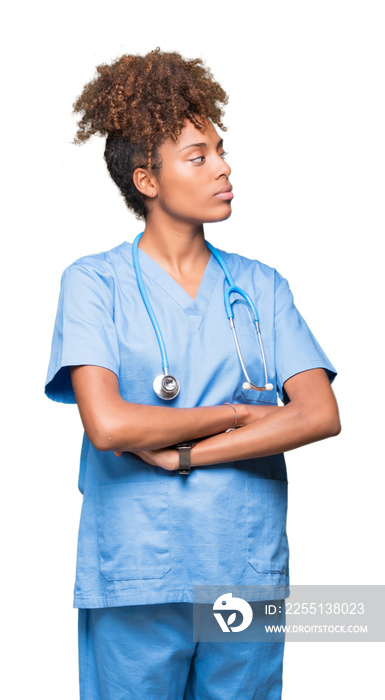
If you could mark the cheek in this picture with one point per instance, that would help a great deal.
(181, 188)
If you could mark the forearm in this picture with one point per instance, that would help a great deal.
(311, 415)
(133, 427)
(137, 427)
(111, 423)
(279, 431)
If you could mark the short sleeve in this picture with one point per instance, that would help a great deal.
(296, 349)
(84, 331)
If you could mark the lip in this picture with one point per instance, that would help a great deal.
(225, 192)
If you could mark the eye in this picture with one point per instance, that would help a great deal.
(198, 159)
(223, 155)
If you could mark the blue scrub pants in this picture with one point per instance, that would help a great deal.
(146, 652)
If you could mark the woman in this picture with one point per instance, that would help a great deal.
(174, 496)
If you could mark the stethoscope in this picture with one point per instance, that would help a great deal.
(166, 386)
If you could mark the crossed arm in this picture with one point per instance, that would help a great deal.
(111, 423)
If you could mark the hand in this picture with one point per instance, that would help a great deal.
(166, 458)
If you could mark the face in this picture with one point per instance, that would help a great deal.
(193, 183)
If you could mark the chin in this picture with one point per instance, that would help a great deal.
(225, 216)
(220, 217)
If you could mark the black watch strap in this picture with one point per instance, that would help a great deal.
(184, 449)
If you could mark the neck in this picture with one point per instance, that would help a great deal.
(176, 246)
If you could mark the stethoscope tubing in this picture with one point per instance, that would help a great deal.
(232, 289)
(147, 303)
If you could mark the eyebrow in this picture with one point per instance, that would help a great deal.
(200, 145)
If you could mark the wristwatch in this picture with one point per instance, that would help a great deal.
(184, 449)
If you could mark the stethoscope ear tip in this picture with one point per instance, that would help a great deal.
(267, 387)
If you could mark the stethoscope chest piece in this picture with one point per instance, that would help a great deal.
(166, 386)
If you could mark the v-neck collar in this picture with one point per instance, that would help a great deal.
(194, 308)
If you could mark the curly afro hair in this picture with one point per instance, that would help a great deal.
(139, 102)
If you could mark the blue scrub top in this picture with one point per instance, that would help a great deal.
(146, 534)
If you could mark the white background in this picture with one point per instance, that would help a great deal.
(306, 145)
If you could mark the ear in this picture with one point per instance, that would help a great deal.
(145, 182)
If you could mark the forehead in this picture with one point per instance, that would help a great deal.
(190, 135)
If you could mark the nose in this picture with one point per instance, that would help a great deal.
(224, 169)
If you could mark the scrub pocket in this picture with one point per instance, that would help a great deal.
(133, 530)
(266, 509)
